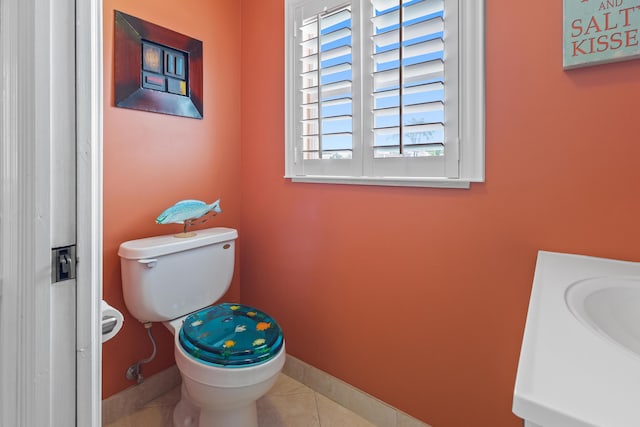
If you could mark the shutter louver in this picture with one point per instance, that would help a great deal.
(326, 85)
(408, 78)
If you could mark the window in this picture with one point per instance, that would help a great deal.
(385, 92)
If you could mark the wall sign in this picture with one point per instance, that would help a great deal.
(600, 31)
(156, 69)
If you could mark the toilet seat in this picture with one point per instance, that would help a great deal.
(230, 335)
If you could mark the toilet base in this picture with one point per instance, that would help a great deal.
(246, 417)
(187, 414)
(213, 396)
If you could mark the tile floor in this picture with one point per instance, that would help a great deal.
(288, 404)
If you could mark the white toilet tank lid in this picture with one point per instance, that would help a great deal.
(162, 245)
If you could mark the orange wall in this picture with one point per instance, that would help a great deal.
(153, 160)
(419, 296)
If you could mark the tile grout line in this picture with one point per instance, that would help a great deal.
(315, 399)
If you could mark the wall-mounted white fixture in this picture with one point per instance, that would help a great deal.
(112, 321)
(580, 358)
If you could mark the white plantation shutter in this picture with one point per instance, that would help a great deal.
(326, 92)
(408, 78)
(376, 95)
(411, 77)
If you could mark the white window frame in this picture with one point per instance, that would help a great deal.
(463, 167)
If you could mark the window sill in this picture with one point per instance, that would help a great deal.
(385, 181)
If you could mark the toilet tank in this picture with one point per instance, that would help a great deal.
(166, 277)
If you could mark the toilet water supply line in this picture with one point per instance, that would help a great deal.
(134, 371)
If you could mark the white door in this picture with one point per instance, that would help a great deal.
(49, 332)
(37, 317)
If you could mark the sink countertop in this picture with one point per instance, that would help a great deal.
(568, 376)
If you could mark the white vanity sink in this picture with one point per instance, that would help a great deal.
(580, 358)
(610, 306)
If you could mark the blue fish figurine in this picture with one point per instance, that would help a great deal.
(187, 209)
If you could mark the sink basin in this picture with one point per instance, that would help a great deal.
(609, 306)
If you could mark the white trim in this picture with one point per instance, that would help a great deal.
(390, 181)
(89, 219)
(472, 89)
(292, 156)
(453, 75)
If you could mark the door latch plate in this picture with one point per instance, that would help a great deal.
(63, 263)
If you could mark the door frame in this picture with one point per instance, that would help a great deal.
(89, 102)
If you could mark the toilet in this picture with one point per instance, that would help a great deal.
(229, 355)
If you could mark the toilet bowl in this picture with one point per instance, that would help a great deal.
(219, 389)
(229, 355)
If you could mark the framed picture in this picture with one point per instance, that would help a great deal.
(600, 31)
(156, 69)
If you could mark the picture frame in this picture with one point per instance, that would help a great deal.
(156, 69)
(600, 32)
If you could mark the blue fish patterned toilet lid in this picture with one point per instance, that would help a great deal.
(231, 335)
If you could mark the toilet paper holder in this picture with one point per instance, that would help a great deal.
(111, 321)
(108, 323)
